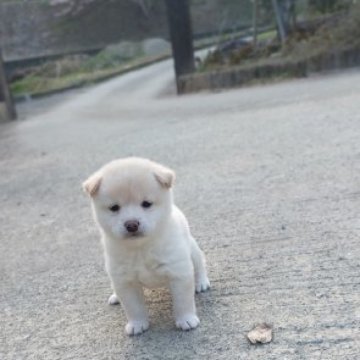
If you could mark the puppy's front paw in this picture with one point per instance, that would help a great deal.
(136, 327)
(187, 322)
(113, 300)
(202, 284)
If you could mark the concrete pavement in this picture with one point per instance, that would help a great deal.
(269, 179)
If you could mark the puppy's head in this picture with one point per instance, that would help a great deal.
(131, 197)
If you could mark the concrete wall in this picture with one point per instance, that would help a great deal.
(237, 76)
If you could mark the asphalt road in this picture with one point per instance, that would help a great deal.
(269, 177)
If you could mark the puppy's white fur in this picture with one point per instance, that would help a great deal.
(161, 253)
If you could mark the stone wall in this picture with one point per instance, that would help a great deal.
(237, 76)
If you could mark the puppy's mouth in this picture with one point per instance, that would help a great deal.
(135, 235)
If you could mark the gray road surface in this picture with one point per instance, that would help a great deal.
(269, 178)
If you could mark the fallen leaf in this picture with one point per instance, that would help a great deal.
(262, 333)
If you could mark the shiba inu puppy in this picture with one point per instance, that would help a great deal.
(147, 240)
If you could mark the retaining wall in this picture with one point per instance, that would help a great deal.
(240, 75)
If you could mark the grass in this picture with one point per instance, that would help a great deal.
(268, 35)
(90, 72)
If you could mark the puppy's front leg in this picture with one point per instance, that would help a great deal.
(132, 299)
(182, 291)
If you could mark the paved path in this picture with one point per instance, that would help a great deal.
(269, 178)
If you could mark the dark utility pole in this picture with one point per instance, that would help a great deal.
(178, 12)
(5, 95)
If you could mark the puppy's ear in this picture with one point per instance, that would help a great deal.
(164, 176)
(92, 184)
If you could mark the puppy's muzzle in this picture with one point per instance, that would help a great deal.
(132, 226)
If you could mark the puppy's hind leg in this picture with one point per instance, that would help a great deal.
(202, 282)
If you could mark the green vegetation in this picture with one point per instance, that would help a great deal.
(268, 35)
(78, 70)
(339, 32)
(325, 34)
(73, 72)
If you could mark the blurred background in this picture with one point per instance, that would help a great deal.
(49, 45)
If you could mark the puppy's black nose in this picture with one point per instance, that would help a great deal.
(132, 226)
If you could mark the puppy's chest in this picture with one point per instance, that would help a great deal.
(151, 271)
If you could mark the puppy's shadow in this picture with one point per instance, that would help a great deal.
(159, 303)
(163, 332)
(163, 337)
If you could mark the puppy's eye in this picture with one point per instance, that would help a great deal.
(114, 208)
(146, 204)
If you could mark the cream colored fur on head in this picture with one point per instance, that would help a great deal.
(147, 240)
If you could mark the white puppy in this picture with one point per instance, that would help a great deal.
(147, 240)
